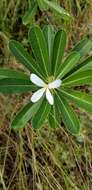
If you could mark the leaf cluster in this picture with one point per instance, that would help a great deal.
(47, 61)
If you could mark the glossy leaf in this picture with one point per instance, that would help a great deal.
(41, 115)
(81, 99)
(10, 73)
(77, 79)
(49, 34)
(23, 56)
(54, 117)
(57, 9)
(68, 115)
(24, 115)
(29, 15)
(68, 64)
(12, 85)
(85, 65)
(39, 47)
(83, 47)
(58, 50)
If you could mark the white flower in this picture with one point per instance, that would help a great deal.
(45, 88)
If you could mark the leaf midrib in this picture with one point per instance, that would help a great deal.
(66, 66)
(58, 54)
(73, 81)
(41, 54)
(66, 111)
(74, 97)
(31, 65)
(43, 113)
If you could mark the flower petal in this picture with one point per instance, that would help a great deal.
(36, 80)
(49, 97)
(55, 84)
(37, 95)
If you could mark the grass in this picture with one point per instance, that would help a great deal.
(46, 159)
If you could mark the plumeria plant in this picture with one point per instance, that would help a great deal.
(51, 79)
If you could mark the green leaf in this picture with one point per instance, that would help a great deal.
(10, 73)
(57, 9)
(41, 5)
(49, 34)
(81, 99)
(83, 47)
(39, 47)
(41, 115)
(58, 50)
(77, 79)
(68, 64)
(29, 15)
(68, 115)
(85, 65)
(23, 56)
(12, 85)
(24, 115)
(54, 117)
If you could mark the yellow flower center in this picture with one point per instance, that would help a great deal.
(51, 79)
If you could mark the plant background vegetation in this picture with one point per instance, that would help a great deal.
(48, 159)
